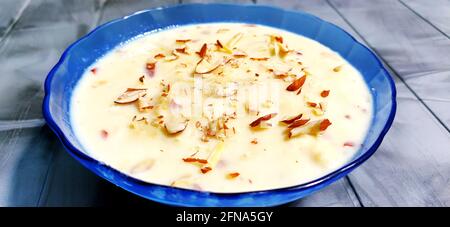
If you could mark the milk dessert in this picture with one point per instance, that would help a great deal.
(222, 107)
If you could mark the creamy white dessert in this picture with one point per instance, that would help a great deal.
(222, 107)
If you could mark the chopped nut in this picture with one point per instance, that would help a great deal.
(203, 50)
(292, 119)
(159, 56)
(298, 123)
(254, 141)
(175, 127)
(239, 54)
(201, 161)
(130, 95)
(296, 84)
(182, 40)
(311, 104)
(261, 119)
(337, 68)
(324, 124)
(181, 50)
(204, 66)
(205, 169)
(233, 175)
(325, 93)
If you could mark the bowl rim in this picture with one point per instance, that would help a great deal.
(323, 180)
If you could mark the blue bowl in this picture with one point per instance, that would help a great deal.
(64, 76)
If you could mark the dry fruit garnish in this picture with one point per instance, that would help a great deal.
(174, 56)
(310, 128)
(204, 66)
(182, 40)
(199, 160)
(239, 54)
(311, 104)
(203, 50)
(233, 175)
(337, 68)
(261, 119)
(298, 123)
(175, 126)
(324, 124)
(325, 93)
(160, 55)
(181, 50)
(143, 104)
(104, 134)
(297, 84)
(205, 169)
(292, 119)
(130, 95)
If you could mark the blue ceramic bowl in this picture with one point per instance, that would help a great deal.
(64, 76)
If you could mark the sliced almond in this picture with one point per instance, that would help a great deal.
(203, 50)
(239, 54)
(296, 84)
(130, 95)
(215, 155)
(233, 175)
(204, 66)
(292, 119)
(298, 123)
(325, 93)
(175, 126)
(258, 121)
(174, 56)
(306, 129)
(324, 124)
(160, 55)
(143, 104)
(182, 40)
(181, 50)
(313, 128)
(198, 160)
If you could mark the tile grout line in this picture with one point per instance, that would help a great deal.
(424, 19)
(358, 198)
(14, 22)
(391, 68)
